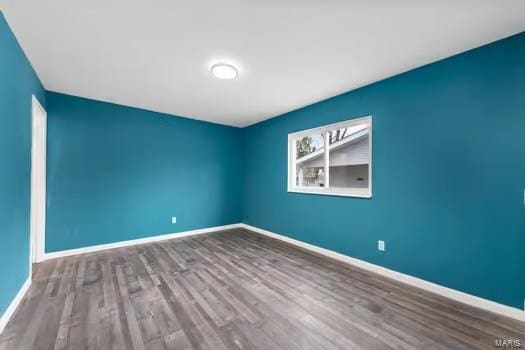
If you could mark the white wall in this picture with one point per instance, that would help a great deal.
(346, 176)
(355, 153)
(351, 154)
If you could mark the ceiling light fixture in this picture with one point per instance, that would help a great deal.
(224, 71)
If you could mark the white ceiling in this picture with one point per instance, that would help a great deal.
(156, 54)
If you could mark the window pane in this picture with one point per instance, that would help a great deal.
(309, 163)
(349, 156)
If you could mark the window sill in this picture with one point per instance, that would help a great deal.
(349, 192)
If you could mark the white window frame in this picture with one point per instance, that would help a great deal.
(327, 190)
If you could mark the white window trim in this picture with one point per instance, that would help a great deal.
(346, 192)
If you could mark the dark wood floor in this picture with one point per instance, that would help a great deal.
(236, 290)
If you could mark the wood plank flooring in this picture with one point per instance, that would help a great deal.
(236, 290)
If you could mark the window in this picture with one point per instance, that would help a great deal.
(335, 159)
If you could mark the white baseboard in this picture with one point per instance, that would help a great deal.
(97, 248)
(14, 304)
(401, 277)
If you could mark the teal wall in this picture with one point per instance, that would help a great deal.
(18, 82)
(448, 174)
(117, 173)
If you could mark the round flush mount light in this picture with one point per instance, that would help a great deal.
(224, 71)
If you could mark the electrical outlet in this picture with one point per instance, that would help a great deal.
(173, 219)
(381, 245)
